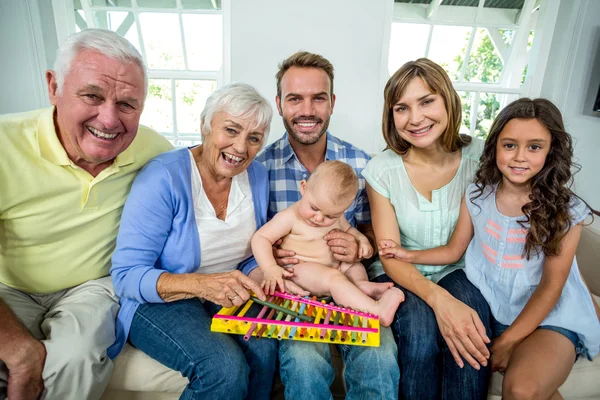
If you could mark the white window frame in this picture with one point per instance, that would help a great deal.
(65, 22)
(481, 17)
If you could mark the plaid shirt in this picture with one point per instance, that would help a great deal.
(286, 172)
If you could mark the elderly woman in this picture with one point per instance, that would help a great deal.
(183, 251)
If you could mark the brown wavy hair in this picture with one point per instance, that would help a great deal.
(548, 211)
(438, 82)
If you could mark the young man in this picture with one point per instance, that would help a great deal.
(65, 172)
(305, 100)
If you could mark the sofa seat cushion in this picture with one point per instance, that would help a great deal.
(135, 371)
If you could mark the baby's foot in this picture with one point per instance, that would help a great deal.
(374, 289)
(388, 304)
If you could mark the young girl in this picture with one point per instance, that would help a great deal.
(520, 224)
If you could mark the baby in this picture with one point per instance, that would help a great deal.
(330, 190)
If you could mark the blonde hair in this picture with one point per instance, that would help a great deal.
(438, 82)
(304, 59)
(340, 178)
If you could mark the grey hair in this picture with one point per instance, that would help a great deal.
(104, 42)
(239, 100)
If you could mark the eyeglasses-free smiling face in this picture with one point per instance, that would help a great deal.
(521, 150)
(98, 109)
(231, 145)
(306, 104)
(420, 116)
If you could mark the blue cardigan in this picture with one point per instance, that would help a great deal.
(159, 234)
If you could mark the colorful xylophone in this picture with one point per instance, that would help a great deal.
(286, 316)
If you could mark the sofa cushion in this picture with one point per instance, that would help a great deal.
(135, 371)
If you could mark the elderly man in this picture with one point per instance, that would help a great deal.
(305, 100)
(65, 172)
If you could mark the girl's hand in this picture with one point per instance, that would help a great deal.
(390, 249)
(462, 330)
(501, 349)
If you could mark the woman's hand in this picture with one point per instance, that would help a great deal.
(227, 289)
(462, 330)
(390, 249)
(343, 246)
(501, 350)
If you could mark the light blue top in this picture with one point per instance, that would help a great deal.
(423, 224)
(159, 234)
(496, 265)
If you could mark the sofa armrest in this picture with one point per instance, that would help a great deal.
(588, 258)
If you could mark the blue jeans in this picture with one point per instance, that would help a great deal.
(371, 372)
(217, 365)
(427, 368)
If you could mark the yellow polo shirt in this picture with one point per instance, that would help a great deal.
(58, 224)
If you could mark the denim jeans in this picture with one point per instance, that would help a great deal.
(217, 365)
(427, 368)
(371, 372)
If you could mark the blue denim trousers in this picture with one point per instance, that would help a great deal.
(427, 368)
(217, 365)
(371, 372)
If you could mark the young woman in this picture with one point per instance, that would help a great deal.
(415, 189)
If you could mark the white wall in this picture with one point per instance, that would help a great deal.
(572, 82)
(348, 33)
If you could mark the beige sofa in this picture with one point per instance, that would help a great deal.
(138, 377)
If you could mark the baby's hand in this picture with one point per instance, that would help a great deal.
(390, 249)
(365, 250)
(273, 278)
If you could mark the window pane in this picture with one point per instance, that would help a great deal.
(485, 64)
(157, 3)
(121, 22)
(487, 111)
(187, 142)
(507, 36)
(111, 3)
(203, 41)
(80, 23)
(448, 47)
(191, 97)
(201, 4)
(512, 4)
(158, 110)
(464, 3)
(407, 43)
(465, 124)
(162, 40)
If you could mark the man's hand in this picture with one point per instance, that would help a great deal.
(343, 246)
(283, 257)
(25, 370)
